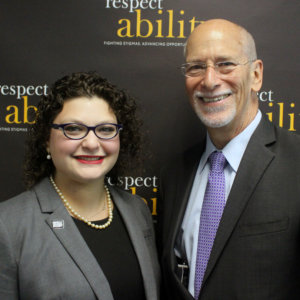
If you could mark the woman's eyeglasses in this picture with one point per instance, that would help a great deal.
(75, 131)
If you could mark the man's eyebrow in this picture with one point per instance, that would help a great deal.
(216, 59)
(196, 61)
(223, 58)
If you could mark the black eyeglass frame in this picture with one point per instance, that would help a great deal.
(89, 128)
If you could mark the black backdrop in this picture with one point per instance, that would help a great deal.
(138, 46)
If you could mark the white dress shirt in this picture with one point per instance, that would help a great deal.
(187, 242)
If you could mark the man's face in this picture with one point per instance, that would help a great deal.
(221, 99)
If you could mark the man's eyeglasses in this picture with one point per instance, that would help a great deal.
(75, 131)
(195, 69)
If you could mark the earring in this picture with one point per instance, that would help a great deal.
(48, 156)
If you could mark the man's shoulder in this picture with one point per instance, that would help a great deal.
(287, 141)
(285, 135)
(188, 157)
(284, 144)
(275, 136)
(287, 147)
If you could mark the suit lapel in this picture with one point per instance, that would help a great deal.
(138, 241)
(71, 239)
(255, 161)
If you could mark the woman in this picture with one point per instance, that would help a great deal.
(70, 236)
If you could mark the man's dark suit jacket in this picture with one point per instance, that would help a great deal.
(256, 253)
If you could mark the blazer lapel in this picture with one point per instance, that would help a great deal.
(138, 240)
(71, 239)
(255, 161)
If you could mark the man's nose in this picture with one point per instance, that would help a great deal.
(210, 78)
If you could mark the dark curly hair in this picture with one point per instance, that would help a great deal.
(81, 84)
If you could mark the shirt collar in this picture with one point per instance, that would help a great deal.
(235, 149)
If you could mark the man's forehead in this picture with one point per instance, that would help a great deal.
(215, 30)
(215, 46)
(216, 33)
(218, 25)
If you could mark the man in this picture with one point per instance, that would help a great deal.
(246, 246)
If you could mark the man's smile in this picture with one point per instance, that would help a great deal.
(211, 98)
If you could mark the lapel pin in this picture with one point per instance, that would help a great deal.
(58, 224)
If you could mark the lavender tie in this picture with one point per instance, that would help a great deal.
(211, 213)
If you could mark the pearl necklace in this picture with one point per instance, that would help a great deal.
(78, 216)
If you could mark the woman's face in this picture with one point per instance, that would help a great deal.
(87, 159)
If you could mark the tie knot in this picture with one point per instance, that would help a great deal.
(217, 161)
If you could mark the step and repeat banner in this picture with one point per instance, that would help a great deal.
(137, 45)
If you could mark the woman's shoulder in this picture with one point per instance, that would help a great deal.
(17, 205)
(126, 195)
(133, 205)
(134, 201)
